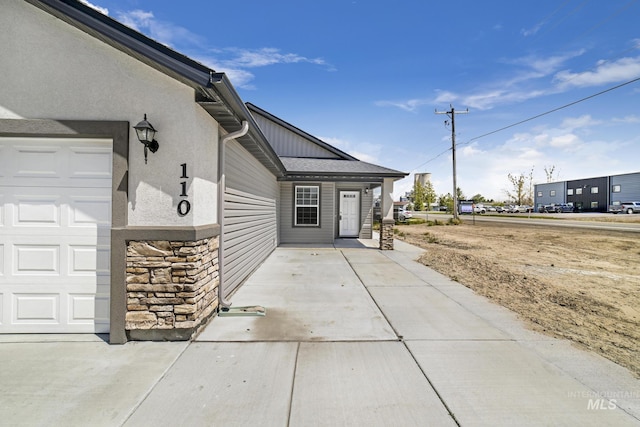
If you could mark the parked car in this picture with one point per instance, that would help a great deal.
(401, 214)
(559, 208)
(501, 209)
(521, 209)
(479, 209)
(626, 207)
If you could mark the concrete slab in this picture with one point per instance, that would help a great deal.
(356, 243)
(363, 384)
(225, 384)
(425, 313)
(370, 257)
(499, 383)
(384, 273)
(302, 312)
(601, 376)
(308, 296)
(309, 266)
(79, 383)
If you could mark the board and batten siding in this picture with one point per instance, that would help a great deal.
(323, 234)
(288, 144)
(250, 222)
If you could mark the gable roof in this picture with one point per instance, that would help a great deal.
(310, 158)
(213, 90)
(335, 152)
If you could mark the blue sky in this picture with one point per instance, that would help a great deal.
(368, 76)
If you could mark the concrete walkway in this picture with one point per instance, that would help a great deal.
(352, 336)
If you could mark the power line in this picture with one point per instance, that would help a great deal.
(530, 119)
(554, 110)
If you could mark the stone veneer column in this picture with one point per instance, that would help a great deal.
(171, 287)
(386, 234)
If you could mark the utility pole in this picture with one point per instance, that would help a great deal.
(452, 115)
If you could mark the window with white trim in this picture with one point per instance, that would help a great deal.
(578, 190)
(307, 205)
(569, 191)
(594, 190)
(616, 188)
(552, 193)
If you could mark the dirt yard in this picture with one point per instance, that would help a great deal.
(583, 285)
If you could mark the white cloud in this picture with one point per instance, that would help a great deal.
(584, 121)
(514, 89)
(605, 72)
(410, 105)
(267, 56)
(365, 151)
(627, 119)
(531, 31)
(162, 31)
(235, 62)
(100, 9)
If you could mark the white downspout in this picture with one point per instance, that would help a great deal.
(221, 189)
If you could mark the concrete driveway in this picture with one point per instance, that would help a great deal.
(352, 336)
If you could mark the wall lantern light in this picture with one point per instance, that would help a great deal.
(146, 132)
(366, 190)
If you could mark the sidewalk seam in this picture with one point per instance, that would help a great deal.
(148, 393)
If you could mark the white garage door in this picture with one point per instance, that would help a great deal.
(55, 221)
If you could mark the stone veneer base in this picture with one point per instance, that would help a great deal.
(386, 234)
(171, 288)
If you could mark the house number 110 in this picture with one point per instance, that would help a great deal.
(184, 206)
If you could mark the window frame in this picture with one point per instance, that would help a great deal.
(616, 188)
(296, 206)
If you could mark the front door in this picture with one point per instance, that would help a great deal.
(349, 213)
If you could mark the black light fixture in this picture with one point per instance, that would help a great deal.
(146, 132)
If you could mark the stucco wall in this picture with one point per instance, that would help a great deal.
(51, 70)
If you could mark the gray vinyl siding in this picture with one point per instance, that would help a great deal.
(287, 144)
(629, 188)
(250, 222)
(325, 232)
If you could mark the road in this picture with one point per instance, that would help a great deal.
(553, 220)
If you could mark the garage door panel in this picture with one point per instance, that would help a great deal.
(90, 162)
(36, 309)
(55, 226)
(37, 161)
(34, 211)
(90, 211)
(3, 215)
(88, 260)
(36, 260)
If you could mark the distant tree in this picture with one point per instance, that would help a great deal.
(521, 191)
(460, 195)
(446, 200)
(479, 198)
(429, 194)
(418, 196)
(551, 173)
